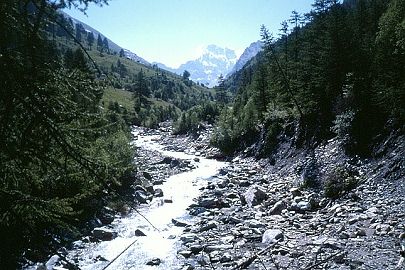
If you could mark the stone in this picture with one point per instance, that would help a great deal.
(158, 192)
(197, 210)
(179, 223)
(138, 232)
(210, 225)
(255, 224)
(208, 202)
(168, 200)
(185, 253)
(226, 257)
(157, 182)
(271, 236)
(304, 205)
(211, 248)
(41, 266)
(104, 234)
(224, 183)
(278, 208)
(147, 175)
(196, 248)
(106, 216)
(254, 195)
(140, 188)
(188, 238)
(295, 192)
(141, 196)
(154, 262)
(188, 267)
(51, 263)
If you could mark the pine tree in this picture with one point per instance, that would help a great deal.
(99, 43)
(90, 39)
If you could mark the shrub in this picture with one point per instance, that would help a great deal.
(339, 181)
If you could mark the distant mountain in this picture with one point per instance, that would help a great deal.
(213, 62)
(248, 54)
(163, 66)
(206, 69)
(113, 46)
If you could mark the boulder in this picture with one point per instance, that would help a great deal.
(158, 192)
(178, 223)
(106, 215)
(147, 175)
(154, 262)
(277, 208)
(104, 234)
(271, 236)
(188, 238)
(295, 192)
(141, 196)
(210, 225)
(208, 202)
(138, 232)
(52, 262)
(254, 195)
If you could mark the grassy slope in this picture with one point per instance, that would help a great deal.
(121, 96)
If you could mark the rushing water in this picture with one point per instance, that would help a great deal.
(162, 243)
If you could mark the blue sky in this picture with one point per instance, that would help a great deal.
(174, 31)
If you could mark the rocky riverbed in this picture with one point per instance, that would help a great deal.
(256, 215)
(261, 214)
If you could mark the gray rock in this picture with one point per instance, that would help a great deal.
(140, 188)
(210, 225)
(141, 196)
(51, 263)
(168, 201)
(254, 195)
(185, 253)
(138, 232)
(197, 210)
(188, 238)
(179, 223)
(208, 202)
(104, 234)
(147, 175)
(106, 216)
(41, 266)
(304, 205)
(295, 192)
(226, 257)
(278, 208)
(196, 248)
(157, 182)
(154, 261)
(158, 192)
(272, 235)
(211, 248)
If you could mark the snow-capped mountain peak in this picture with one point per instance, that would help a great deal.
(213, 62)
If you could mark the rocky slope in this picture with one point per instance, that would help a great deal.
(256, 215)
(248, 54)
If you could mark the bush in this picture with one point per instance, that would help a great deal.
(339, 181)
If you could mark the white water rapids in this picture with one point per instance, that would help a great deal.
(162, 244)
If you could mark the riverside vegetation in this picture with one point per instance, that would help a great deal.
(334, 77)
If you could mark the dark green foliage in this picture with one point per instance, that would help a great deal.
(193, 119)
(59, 152)
(339, 181)
(339, 73)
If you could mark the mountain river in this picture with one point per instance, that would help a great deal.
(161, 242)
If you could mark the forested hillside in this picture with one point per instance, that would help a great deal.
(337, 71)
